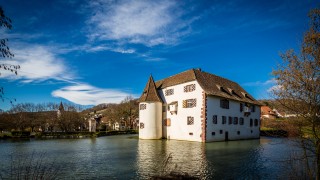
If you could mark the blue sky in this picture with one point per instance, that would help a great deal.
(93, 52)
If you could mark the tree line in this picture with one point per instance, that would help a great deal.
(46, 117)
(41, 117)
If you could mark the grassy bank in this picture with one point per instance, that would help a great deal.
(62, 135)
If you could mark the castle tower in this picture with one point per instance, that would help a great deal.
(150, 112)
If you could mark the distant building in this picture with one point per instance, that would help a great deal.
(268, 113)
(197, 106)
(94, 122)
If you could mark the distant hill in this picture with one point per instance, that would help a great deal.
(99, 107)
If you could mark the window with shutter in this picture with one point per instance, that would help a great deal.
(190, 120)
(253, 108)
(169, 92)
(235, 120)
(143, 106)
(224, 119)
(184, 103)
(241, 121)
(189, 88)
(230, 120)
(224, 103)
(214, 119)
(189, 103)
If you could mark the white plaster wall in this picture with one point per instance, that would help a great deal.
(179, 129)
(152, 119)
(246, 132)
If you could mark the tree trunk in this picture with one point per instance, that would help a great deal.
(318, 160)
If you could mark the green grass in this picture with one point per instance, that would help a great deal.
(267, 129)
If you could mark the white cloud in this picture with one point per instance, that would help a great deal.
(259, 83)
(38, 63)
(106, 47)
(85, 94)
(140, 22)
(274, 88)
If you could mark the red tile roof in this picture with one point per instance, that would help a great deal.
(211, 84)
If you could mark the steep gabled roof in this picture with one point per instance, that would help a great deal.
(211, 84)
(61, 108)
(150, 92)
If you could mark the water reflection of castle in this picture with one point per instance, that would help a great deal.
(206, 161)
(186, 156)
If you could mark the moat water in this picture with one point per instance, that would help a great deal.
(127, 157)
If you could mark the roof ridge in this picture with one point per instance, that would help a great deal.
(175, 74)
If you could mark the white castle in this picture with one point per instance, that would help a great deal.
(197, 106)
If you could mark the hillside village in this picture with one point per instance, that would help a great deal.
(66, 117)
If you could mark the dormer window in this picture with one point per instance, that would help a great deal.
(236, 94)
(222, 89)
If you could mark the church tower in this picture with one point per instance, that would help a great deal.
(150, 112)
(60, 110)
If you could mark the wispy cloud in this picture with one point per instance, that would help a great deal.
(274, 88)
(103, 47)
(144, 22)
(85, 94)
(259, 83)
(38, 63)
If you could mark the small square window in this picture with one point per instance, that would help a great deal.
(190, 120)
(190, 133)
(238, 132)
(143, 106)
(213, 133)
(141, 125)
(221, 131)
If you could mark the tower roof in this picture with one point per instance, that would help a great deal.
(61, 108)
(150, 92)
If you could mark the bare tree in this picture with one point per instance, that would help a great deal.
(5, 52)
(129, 110)
(298, 90)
